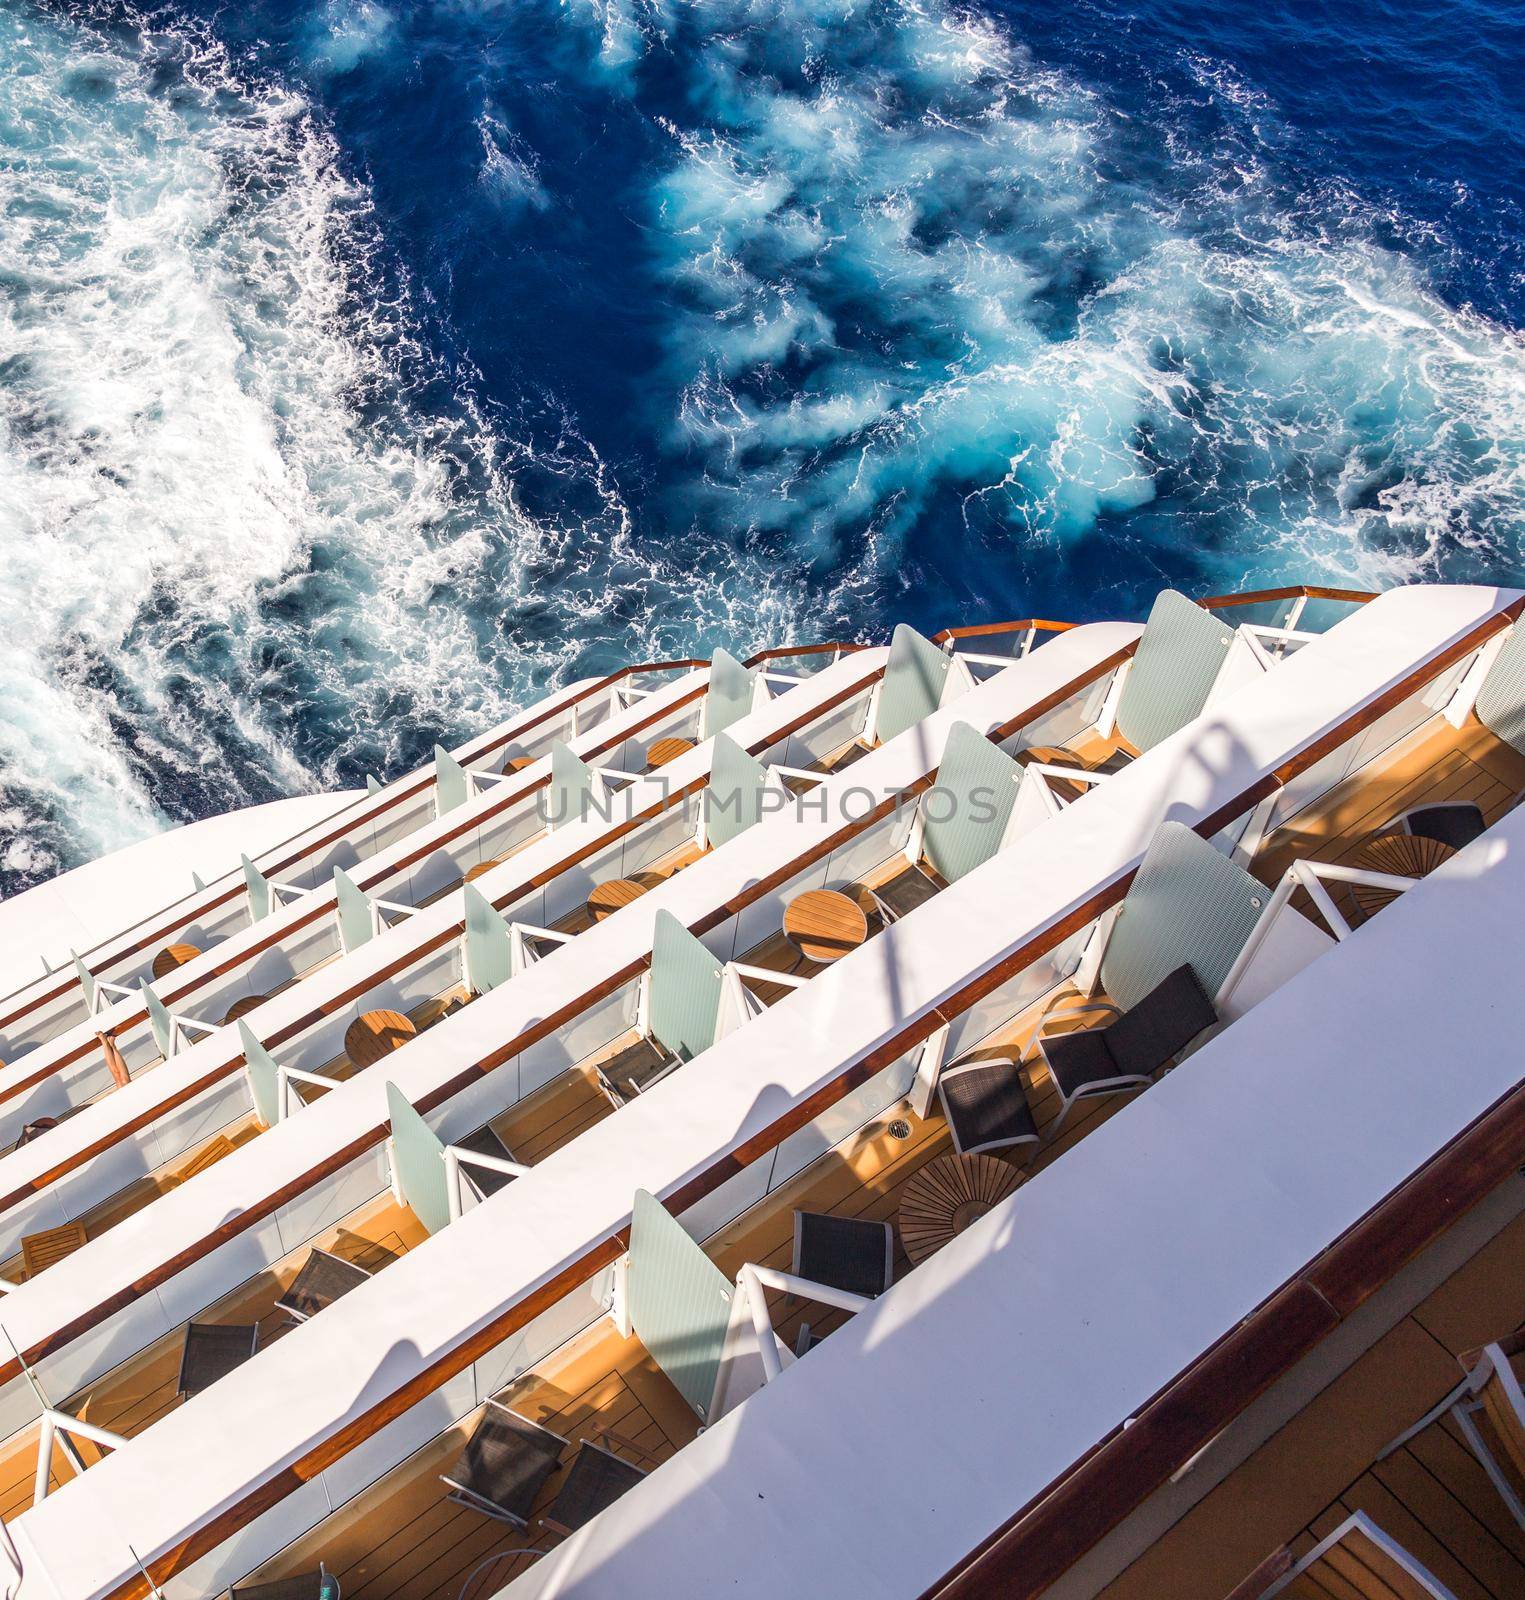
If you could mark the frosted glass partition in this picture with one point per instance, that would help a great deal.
(568, 797)
(451, 788)
(729, 696)
(1069, 718)
(824, 736)
(679, 1301)
(1174, 668)
(1501, 699)
(967, 810)
(734, 799)
(1404, 719)
(1187, 905)
(263, 1075)
(418, 1159)
(257, 887)
(685, 989)
(488, 947)
(912, 686)
(355, 924)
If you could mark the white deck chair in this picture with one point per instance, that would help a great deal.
(1489, 1408)
(1358, 1560)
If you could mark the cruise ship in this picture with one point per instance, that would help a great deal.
(1032, 1111)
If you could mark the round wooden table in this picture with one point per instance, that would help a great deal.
(667, 750)
(242, 1008)
(606, 898)
(172, 956)
(482, 867)
(947, 1195)
(1404, 855)
(824, 925)
(375, 1034)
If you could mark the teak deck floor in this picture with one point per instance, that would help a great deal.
(1431, 1496)
(1436, 767)
(134, 1395)
(403, 1540)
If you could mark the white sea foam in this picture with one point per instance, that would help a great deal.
(916, 264)
(248, 529)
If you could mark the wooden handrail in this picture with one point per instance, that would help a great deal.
(1304, 591)
(980, 629)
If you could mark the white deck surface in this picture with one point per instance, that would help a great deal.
(1071, 1359)
(80, 908)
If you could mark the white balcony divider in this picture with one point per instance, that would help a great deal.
(264, 1077)
(357, 918)
(731, 694)
(418, 1162)
(913, 684)
(679, 1302)
(257, 886)
(1178, 660)
(452, 786)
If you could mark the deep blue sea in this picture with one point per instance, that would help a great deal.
(366, 368)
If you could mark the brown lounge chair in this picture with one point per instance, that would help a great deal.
(595, 1480)
(985, 1105)
(323, 1279)
(212, 1350)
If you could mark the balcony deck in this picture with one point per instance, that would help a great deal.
(1431, 1496)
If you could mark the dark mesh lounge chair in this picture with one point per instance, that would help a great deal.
(484, 1142)
(843, 1252)
(985, 1106)
(504, 1465)
(211, 1351)
(319, 1585)
(322, 1280)
(1128, 1052)
(1455, 825)
(634, 1070)
(900, 896)
(596, 1479)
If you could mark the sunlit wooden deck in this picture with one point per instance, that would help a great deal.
(403, 1540)
(134, 1395)
(1431, 1495)
(1438, 766)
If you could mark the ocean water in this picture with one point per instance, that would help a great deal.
(366, 368)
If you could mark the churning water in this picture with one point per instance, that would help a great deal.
(365, 369)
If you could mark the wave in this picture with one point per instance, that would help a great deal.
(834, 314)
(930, 288)
(254, 535)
